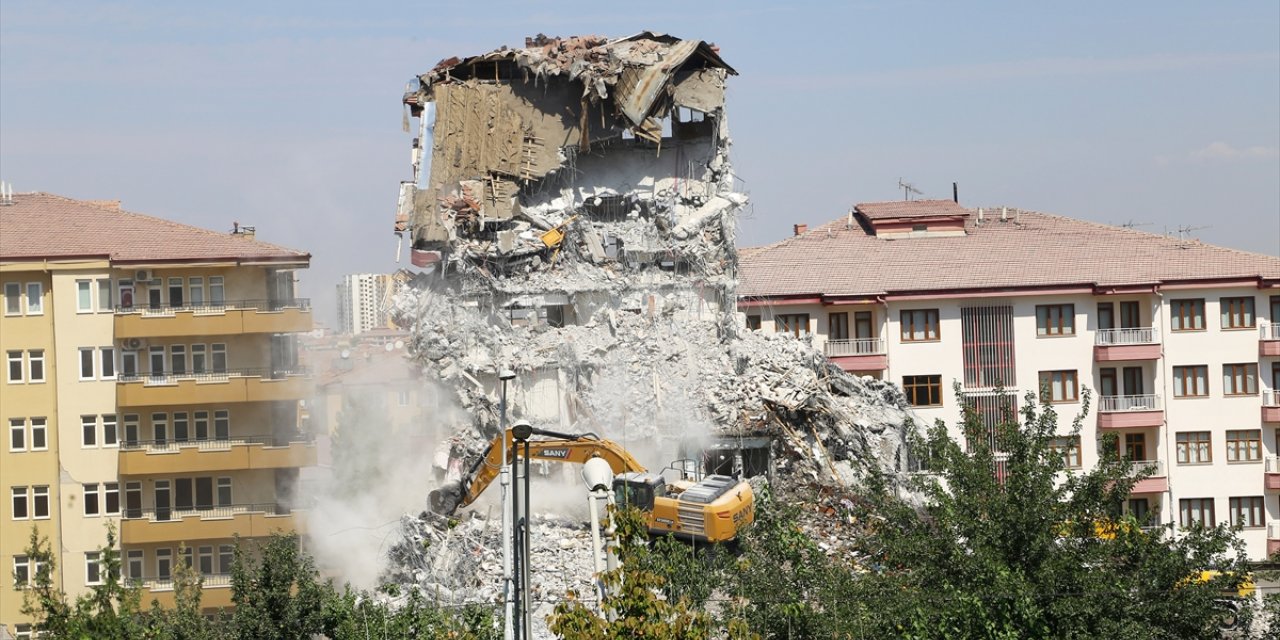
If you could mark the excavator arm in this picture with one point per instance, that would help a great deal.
(543, 445)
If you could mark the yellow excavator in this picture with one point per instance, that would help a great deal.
(707, 510)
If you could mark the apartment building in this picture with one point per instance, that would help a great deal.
(1179, 341)
(364, 300)
(150, 382)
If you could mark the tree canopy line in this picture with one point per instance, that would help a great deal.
(998, 540)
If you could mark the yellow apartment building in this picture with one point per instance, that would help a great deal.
(151, 381)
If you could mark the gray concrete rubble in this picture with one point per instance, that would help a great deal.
(574, 207)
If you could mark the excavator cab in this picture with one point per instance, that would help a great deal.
(636, 489)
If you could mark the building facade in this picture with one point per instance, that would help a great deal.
(1178, 341)
(151, 384)
(364, 301)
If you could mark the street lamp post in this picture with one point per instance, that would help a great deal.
(508, 590)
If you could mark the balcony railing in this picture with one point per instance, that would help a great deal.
(1273, 530)
(1269, 331)
(1141, 335)
(166, 584)
(206, 512)
(218, 307)
(856, 347)
(1272, 464)
(1116, 404)
(173, 445)
(1156, 467)
(170, 377)
(1271, 397)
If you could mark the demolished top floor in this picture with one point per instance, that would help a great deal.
(581, 125)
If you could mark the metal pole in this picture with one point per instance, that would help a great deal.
(508, 592)
(517, 573)
(526, 552)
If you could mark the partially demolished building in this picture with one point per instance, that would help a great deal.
(574, 205)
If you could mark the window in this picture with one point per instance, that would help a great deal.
(1061, 386)
(923, 391)
(160, 428)
(178, 359)
(111, 498)
(1055, 319)
(35, 363)
(129, 363)
(17, 435)
(201, 421)
(1244, 445)
(39, 434)
(1140, 509)
(1135, 447)
(216, 295)
(12, 298)
(987, 346)
(89, 431)
(126, 294)
(219, 357)
(226, 557)
(1190, 381)
(195, 291)
(1237, 313)
(1194, 447)
(104, 294)
(108, 363)
(402, 397)
(1069, 449)
(86, 364)
(91, 507)
(84, 296)
(920, 325)
(224, 492)
(21, 571)
(131, 430)
(198, 361)
(175, 292)
(40, 502)
(753, 322)
(221, 425)
(838, 326)
(797, 324)
(19, 503)
(109, 435)
(1240, 379)
(181, 428)
(164, 563)
(1196, 512)
(35, 299)
(133, 565)
(157, 360)
(14, 359)
(1247, 512)
(1187, 315)
(206, 560)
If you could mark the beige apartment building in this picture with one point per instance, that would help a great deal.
(151, 382)
(1179, 341)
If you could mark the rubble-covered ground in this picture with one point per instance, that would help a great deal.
(574, 206)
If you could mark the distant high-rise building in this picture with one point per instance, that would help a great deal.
(364, 301)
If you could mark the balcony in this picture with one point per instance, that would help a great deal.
(229, 386)
(228, 318)
(1157, 482)
(1271, 405)
(1117, 345)
(1271, 473)
(242, 453)
(1130, 412)
(1273, 537)
(215, 591)
(1269, 339)
(145, 526)
(861, 354)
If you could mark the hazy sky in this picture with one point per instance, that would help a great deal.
(287, 115)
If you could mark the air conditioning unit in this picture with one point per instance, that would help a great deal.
(142, 275)
(133, 344)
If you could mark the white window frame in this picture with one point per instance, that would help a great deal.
(92, 565)
(217, 349)
(110, 426)
(107, 358)
(91, 490)
(109, 488)
(217, 283)
(32, 359)
(219, 485)
(195, 284)
(166, 556)
(92, 353)
(18, 427)
(38, 309)
(13, 292)
(40, 424)
(8, 367)
(88, 432)
(36, 493)
(22, 564)
(104, 295)
(19, 495)
(134, 563)
(84, 288)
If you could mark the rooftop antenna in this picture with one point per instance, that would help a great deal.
(908, 189)
(1184, 234)
(1130, 224)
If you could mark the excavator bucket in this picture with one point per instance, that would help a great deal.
(444, 501)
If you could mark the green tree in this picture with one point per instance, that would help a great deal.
(1008, 543)
(277, 591)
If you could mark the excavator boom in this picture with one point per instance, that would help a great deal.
(548, 445)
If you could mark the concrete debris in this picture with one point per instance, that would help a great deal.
(575, 207)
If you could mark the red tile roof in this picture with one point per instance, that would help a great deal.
(910, 209)
(46, 226)
(1029, 250)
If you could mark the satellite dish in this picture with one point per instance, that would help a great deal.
(389, 347)
(399, 344)
(346, 353)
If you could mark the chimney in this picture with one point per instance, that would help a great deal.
(800, 229)
(110, 205)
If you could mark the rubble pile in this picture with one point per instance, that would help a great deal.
(574, 208)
